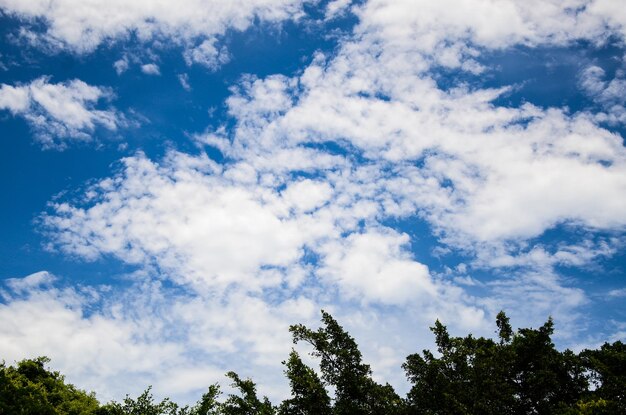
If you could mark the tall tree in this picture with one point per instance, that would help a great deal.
(342, 367)
(545, 378)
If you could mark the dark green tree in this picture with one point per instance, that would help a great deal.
(30, 388)
(309, 397)
(466, 378)
(208, 404)
(505, 331)
(143, 405)
(342, 367)
(607, 367)
(146, 405)
(523, 373)
(248, 403)
(545, 378)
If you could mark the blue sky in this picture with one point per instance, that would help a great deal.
(181, 182)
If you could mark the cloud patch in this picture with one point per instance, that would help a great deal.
(150, 69)
(193, 24)
(61, 112)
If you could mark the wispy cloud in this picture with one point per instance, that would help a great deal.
(609, 94)
(60, 112)
(617, 293)
(183, 78)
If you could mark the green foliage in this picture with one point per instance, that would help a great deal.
(522, 373)
(342, 367)
(505, 331)
(248, 403)
(143, 405)
(608, 372)
(309, 397)
(518, 373)
(545, 378)
(31, 389)
(208, 404)
(593, 407)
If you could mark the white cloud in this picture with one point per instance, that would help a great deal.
(609, 13)
(119, 341)
(150, 69)
(85, 25)
(217, 228)
(121, 65)
(94, 349)
(592, 80)
(532, 296)
(617, 293)
(607, 92)
(610, 95)
(14, 99)
(544, 258)
(482, 164)
(59, 112)
(375, 266)
(200, 227)
(82, 26)
(307, 195)
(337, 8)
(183, 78)
(446, 31)
(207, 54)
(33, 281)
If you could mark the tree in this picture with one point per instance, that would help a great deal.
(545, 378)
(505, 331)
(143, 405)
(146, 405)
(521, 374)
(248, 403)
(30, 388)
(342, 367)
(309, 397)
(465, 379)
(208, 404)
(607, 368)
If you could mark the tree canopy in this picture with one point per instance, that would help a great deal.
(519, 372)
